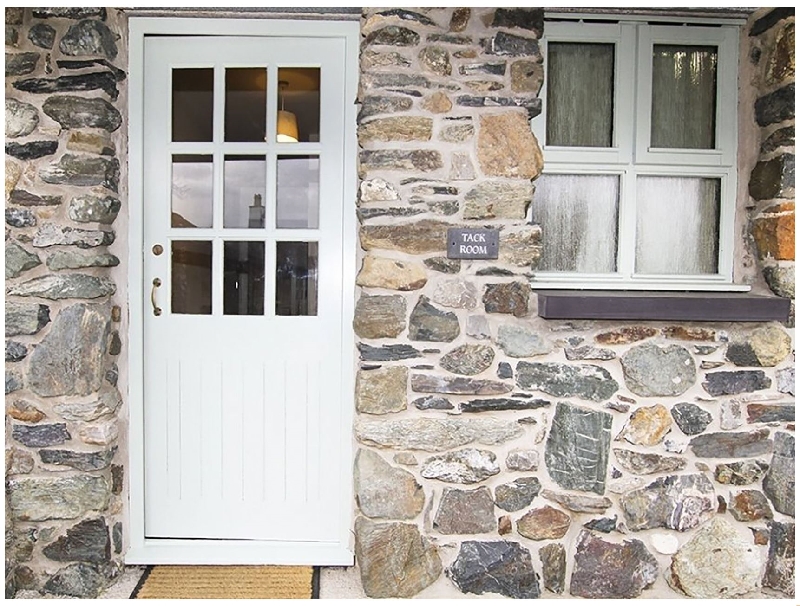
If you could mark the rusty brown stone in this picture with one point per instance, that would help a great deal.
(437, 103)
(459, 20)
(780, 61)
(544, 523)
(749, 506)
(625, 335)
(24, 411)
(526, 76)
(774, 236)
(687, 333)
(405, 128)
(648, 425)
(413, 238)
(504, 525)
(507, 148)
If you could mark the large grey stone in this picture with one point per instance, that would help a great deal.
(20, 217)
(106, 405)
(643, 463)
(675, 502)
(730, 383)
(386, 353)
(89, 37)
(382, 391)
(765, 346)
(731, 445)
(103, 80)
(498, 200)
(576, 453)
(36, 436)
(496, 567)
(25, 318)
(51, 234)
(496, 404)
(780, 569)
(72, 259)
(776, 106)
(82, 461)
(653, 371)
(42, 35)
(544, 523)
(392, 35)
(435, 435)
(82, 170)
(691, 419)
(611, 570)
(87, 541)
(71, 12)
(57, 498)
(19, 64)
(503, 43)
(15, 351)
(468, 359)
(19, 260)
(93, 209)
(585, 381)
(459, 294)
(79, 112)
(395, 561)
(423, 160)
(457, 385)
(715, 563)
(467, 466)
(386, 492)
(425, 236)
(76, 580)
(740, 473)
(579, 503)
(69, 360)
(380, 316)
(519, 341)
(531, 19)
(21, 118)
(25, 198)
(779, 483)
(465, 512)
(518, 494)
(554, 567)
(376, 105)
(67, 286)
(14, 381)
(427, 323)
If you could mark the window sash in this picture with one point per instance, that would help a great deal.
(632, 156)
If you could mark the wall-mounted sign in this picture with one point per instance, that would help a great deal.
(472, 243)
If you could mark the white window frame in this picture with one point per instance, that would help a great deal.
(631, 155)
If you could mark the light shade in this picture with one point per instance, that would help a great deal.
(287, 127)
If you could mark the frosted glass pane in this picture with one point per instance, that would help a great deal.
(578, 217)
(684, 97)
(677, 225)
(580, 94)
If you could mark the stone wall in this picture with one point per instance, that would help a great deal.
(501, 453)
(64, 141)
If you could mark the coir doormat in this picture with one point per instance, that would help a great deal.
(234, 582)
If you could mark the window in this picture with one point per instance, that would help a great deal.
(639, 131)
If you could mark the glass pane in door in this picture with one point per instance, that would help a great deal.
(191, 277)
(244, 279)
(245, 189)
(296, 278)
(192, 190)
(245, 104)
(298, 104)
(193, 104)
(298, 192)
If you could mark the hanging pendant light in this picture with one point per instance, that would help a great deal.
(287, 121)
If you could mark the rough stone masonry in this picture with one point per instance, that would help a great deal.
(498, 453)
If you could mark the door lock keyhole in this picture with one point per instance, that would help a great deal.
(158, 249)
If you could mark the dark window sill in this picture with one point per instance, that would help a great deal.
(671, 306)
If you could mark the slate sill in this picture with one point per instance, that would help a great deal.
(670, 306)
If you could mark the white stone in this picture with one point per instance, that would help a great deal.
(377, 190)
(101, 434)
(623, 485)
(456, 294)
(665, 543)
(676, 445)
(523, 460)
(478, 327)
(730, 414)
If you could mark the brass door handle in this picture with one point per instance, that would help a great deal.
(156, 308)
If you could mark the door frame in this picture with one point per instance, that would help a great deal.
(142, 550)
